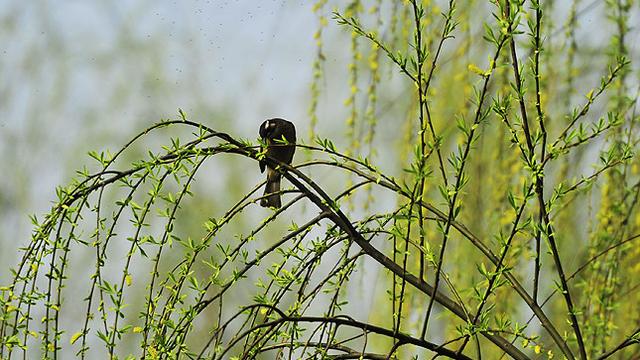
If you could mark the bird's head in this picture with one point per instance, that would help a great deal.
(268, 128)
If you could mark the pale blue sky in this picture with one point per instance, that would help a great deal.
(87, 75)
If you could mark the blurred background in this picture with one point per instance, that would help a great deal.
(80, 76)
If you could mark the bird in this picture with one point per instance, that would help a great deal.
(279, 138)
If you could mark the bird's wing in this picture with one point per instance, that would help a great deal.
(263, 164)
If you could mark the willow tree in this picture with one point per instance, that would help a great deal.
(501, 220)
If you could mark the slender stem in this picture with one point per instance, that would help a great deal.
(541, 203)
(543, 147)
(453, 199)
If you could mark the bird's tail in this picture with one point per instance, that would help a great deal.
(272, 190)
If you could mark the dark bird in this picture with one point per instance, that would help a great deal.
(279, 136)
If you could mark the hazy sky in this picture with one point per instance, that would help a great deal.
(87, 75)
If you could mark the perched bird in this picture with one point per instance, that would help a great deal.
(279, 136)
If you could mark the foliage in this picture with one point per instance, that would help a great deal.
(495, 239)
